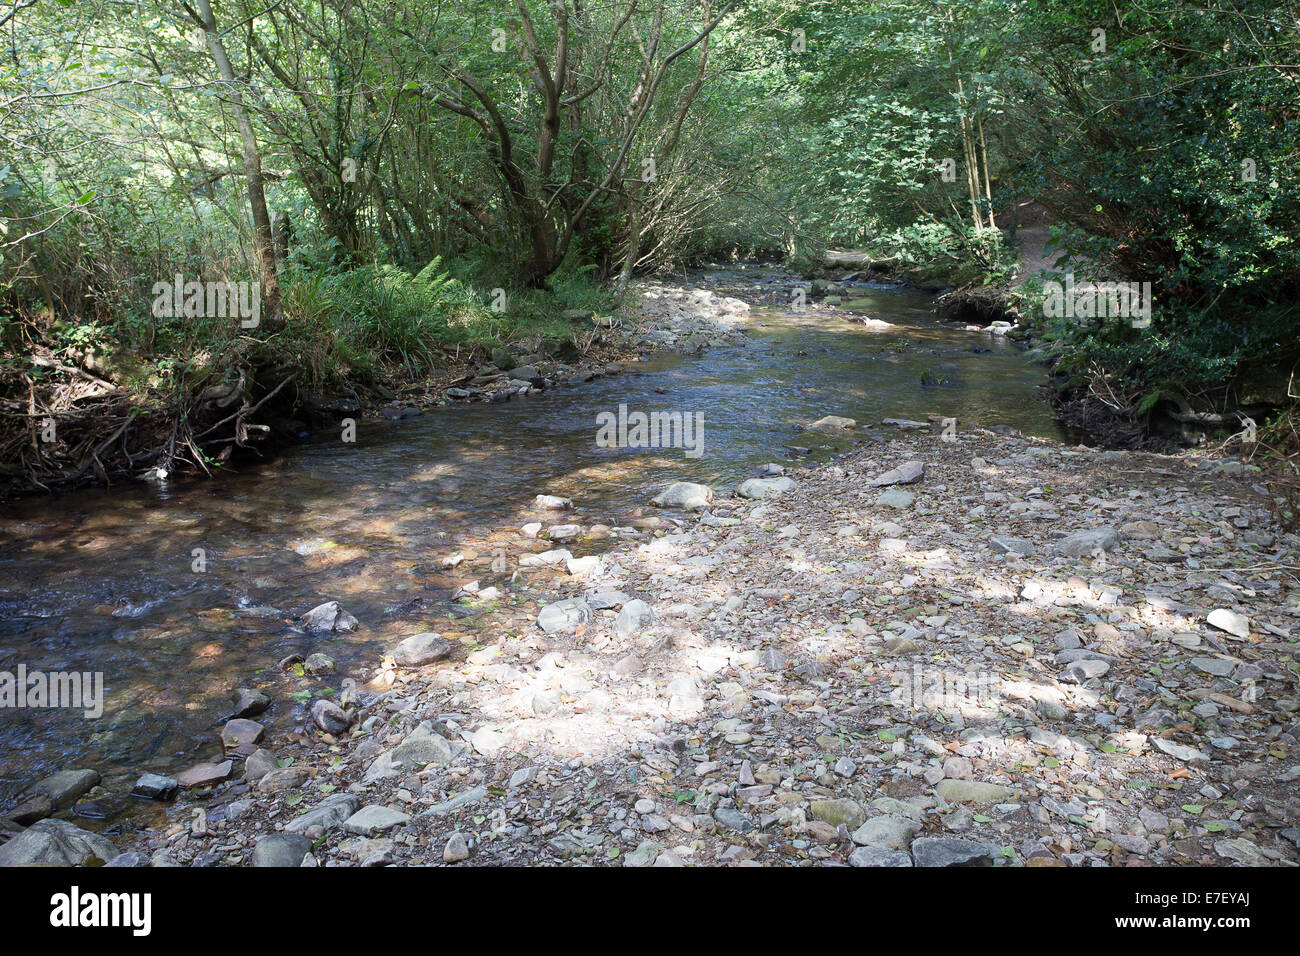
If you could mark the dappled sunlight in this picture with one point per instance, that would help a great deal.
(780, 634)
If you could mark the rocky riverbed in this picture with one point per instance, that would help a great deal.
(971, 649)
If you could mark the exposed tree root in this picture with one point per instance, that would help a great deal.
(975, 305)
(80, 429)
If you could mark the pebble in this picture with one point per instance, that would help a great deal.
(457, 848)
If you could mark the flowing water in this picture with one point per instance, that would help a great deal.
(178, 593)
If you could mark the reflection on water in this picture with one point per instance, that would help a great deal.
(106, 581)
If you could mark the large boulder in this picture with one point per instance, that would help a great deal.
(56, 842)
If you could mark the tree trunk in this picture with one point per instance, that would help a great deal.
(263, 235)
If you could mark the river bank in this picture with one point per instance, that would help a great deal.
(1030, 654)
(110, 422)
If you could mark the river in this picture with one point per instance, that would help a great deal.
(110, 581)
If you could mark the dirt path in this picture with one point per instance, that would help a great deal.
(1032, 236)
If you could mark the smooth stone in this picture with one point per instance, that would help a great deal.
(286, 778)
(552, 503)
(424, 746)
(1052, 710)
(888, 833)
(905, 474)
(564, 617)
(330, 717)
(488, 740)
(457, 848)
(204, 774)
(328, 814)
(1004, 544)
(1214, 665)
(958, 768)
(318, 664)
(373, 819)
(259, 763)
(329, 618)
(455, 803)
(635, 617)
(879, 856)
(605, 600)
(1231, 622)
(836, 812)
(241, 733)
(154, 786)
(1083, 544)
(1069, 639)
(733, 820)
(281, 850)
(644, 855)
(249, 702)
(895, 498)
(686, 495)
(755, 488)
(553, 556)
(1241, 850)
(423, 648)
(584, 567)
(1084, 670)
(973, 791)
(65, 787)
(38, 807)
(950, 851)
(832, 423)
(1179, 751)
